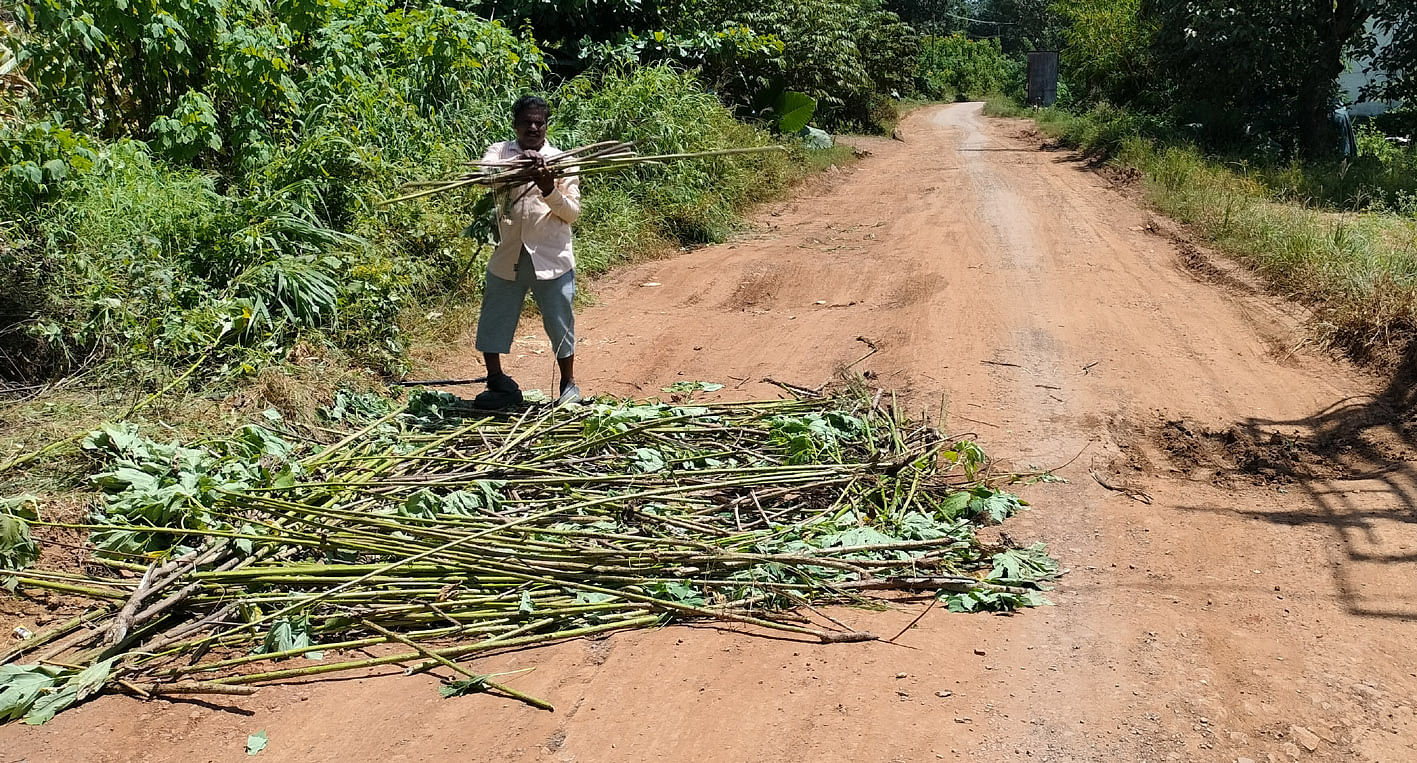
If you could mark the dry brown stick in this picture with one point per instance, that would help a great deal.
(767, 523)
(858, 361)
(124, 619)
(70, 630)
(516, 172)
(193, 687)
(803, 601)
(976, 421)
(181, 595)
(69, 642)
(1130, 492)
(793, 388)
(154, 580)
(1019, 476)
(933, 601)
(180, 632)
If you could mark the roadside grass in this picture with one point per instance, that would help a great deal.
(1356, 270)
(31, 425)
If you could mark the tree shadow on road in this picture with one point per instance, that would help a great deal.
(1356, 463)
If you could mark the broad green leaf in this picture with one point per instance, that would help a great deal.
(18, 549)
(955, 504)
(56, 169)
(1024, 565)
(960, 602)
(466, 686)
(592, 597)
(462, 503)
(24, 506)
(917, 526)
(996, 506)
(91, 679)
(794, 110)
(646, 460)
(424, 504)
(49, 704)
(79, 686)
(676, 591)
(857, 536)
(20, 686)
(286, 634)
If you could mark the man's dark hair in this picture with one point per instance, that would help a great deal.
(529, 103)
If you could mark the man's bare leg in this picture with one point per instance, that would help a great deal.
(568, 370)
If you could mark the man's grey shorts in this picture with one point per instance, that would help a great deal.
(502, 307)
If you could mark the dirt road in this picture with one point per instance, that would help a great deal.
(1245, 588)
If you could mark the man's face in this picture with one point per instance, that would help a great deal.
(531, 129)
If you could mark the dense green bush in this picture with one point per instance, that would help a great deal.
(851, 56)
(1108, 49)
(955, 67)
(662, 110)
(231, 219)
(733, 61)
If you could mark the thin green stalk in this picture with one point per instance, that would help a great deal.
(449, 652)
(474, 677)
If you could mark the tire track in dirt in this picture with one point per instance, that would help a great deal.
(1199, 627)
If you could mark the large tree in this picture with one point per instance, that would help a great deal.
(1107, 50)
(1273, 65)
(1019, 25)
(1399, 58)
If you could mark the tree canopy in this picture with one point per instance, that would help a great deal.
(1238, 70)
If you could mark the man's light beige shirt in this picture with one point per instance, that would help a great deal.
(541, 224)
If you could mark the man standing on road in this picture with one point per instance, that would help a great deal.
(533, 254)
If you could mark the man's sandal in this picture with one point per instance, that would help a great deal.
(502, 392)
(571, 394)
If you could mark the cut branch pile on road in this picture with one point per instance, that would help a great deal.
(448, 535)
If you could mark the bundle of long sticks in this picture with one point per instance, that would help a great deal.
(594, 159)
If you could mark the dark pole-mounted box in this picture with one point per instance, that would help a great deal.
(1042, 78)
